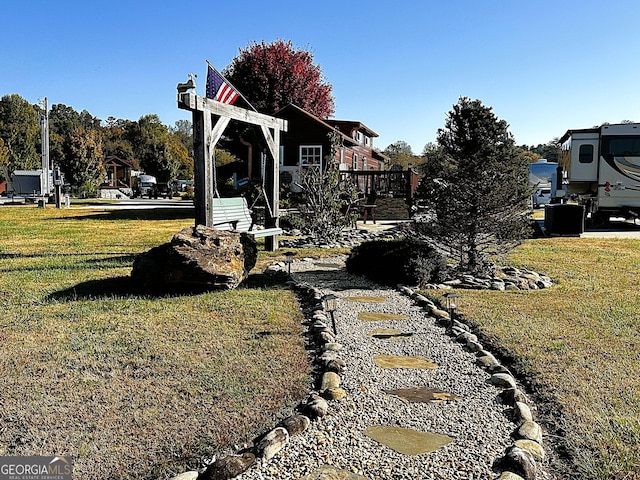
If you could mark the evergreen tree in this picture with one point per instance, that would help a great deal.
(154, 149)
(82, 160)
(63, 121)
(4, 154)
(476, 192)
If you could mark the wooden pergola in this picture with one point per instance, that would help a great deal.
(210, 119)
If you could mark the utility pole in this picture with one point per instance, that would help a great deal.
(45, 182)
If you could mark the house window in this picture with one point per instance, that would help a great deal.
(310, 155)
(359, 137)
(364, 163)
(355, 161)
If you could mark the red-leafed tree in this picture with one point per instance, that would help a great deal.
(272, 75)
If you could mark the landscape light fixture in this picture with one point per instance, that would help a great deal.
(452, 305)
(330, 306)
(289, 259)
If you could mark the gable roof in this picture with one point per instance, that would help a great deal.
(121, 161)
(353, 124)
(330, 128)
(334, 126)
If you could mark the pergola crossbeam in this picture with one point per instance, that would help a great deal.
(205, 138)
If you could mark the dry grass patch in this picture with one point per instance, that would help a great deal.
(579, 341)
(132, 386)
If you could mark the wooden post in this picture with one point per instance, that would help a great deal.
(272, 187)
(202, 168)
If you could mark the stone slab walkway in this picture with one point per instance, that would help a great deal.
(337, 445)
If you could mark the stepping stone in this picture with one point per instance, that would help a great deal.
(327, 472)
(389, 334)
(395, 361)
(423, 394)
(328, 265)
(366, 299)
(379, 316)
(406, 440)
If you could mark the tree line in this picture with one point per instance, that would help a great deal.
(401, 153)
(271, 75)
(78, 143)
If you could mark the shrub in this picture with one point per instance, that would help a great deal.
(327, 200)
(392, 262)
(87, 190)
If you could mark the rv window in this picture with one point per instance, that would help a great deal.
(621, 146)
(586, 154)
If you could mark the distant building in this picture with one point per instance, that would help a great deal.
(119, 172)
(118, 181)
(361, 155)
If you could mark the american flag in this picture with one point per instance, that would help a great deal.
(218, 88)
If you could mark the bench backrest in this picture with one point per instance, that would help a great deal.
(227, 211)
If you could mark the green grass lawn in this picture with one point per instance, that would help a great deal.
(141, 387)
(132, 386)
(579, 342)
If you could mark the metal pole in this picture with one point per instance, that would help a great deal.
(45, 184)
(58, 186)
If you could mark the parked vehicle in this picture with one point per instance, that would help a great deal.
(541, 197)
(182, 185)
(601, 169)
(32, 183)
(162, 190)
(543, 179)
(144, 186)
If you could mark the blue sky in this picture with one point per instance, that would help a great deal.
(544, 66)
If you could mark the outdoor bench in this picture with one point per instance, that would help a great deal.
(233, 214)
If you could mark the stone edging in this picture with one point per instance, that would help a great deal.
(314, 406)
(520, 461)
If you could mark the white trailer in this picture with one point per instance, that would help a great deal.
(601, 169)
(32, 183)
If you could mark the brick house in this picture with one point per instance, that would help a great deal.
(307, 143)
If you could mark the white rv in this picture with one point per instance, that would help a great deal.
(144, 185)
(601, 169)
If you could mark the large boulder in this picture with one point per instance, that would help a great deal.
(197, 258)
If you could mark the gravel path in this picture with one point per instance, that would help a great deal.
(477, 423)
